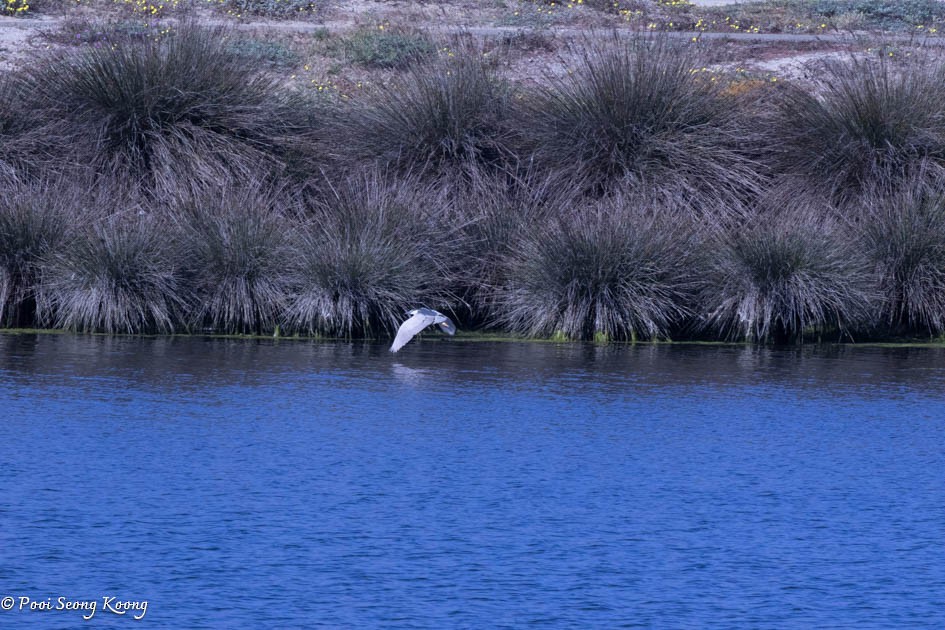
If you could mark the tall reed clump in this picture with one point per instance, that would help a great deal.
(116, 275)
(636, 114)
(904, 234)
(618, 269)
(869, 122)
(495, 211)
(372, 249)
(8, 129)
(783, 271)
(436, 116)
(25, 141)
(173, 112)
(35, 219)
(236, 255)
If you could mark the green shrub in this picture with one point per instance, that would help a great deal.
(888, 13)
(274, 8)
(387, 48)
(263, 52)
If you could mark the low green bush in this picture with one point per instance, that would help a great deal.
(274, 8)
(263, 52)
(387, 48)
(887, 13)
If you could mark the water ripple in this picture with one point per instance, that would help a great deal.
(274, 484)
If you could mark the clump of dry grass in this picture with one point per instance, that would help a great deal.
(372, 249)
(616, 268)
(495, 211)
(179, 111)
(236, 256)
(904, 234)
(35, 221)
(436, 117)
(870, 121)
(117, 275)
(783, 271)
(635, 115)
(27, 142)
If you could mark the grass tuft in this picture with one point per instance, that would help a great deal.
(496, 210)
(9, 128)
(35, 220)
(870, 122)
(116, 276)
(636, 114)
(236, 259)
(904, 234)
(178, 111)
(375, 248)
(26, 143)
(438, 116)
(615, 269)
(784, 271)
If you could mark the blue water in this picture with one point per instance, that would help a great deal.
(255, 484)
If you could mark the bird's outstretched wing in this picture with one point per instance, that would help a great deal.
(446, 324)
(410, 328)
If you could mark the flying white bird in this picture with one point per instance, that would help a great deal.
(419, 319)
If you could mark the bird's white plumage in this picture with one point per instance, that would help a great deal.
(419, 319)
(409, 328)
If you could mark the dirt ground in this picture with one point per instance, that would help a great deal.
(530, 40)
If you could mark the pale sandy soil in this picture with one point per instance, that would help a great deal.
(14, 43)
(528, 56)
